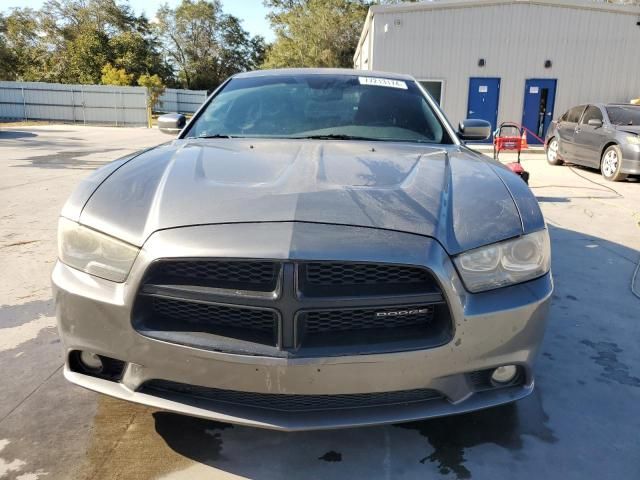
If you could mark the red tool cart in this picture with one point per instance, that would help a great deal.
(509, 136)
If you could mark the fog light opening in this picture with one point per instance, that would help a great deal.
(91, 362)
(504, 375)
(94, 365)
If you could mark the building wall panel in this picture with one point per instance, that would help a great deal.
(595, 53)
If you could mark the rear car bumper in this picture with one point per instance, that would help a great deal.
(393, 383)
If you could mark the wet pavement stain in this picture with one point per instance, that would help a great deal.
(607, 357)
(68, 159)
(14, 315)
(504, 426)
(125, 443)
(331, 456)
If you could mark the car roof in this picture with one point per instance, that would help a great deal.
(603, 105)
(323, 71)
(620, 105)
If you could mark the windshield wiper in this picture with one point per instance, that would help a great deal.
(218, 135)
(338, 136)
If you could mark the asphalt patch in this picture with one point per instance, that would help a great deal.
(331, 456)
(607, 357)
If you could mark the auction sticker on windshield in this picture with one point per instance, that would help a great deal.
(382, 82)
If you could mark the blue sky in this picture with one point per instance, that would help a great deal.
(252, 12)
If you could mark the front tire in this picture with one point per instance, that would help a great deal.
(552, 152)
(611, 164)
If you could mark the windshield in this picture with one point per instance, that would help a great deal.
(627, 115)
(320, 106)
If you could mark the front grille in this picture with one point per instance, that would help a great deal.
(363, 279)
(190, 312)
(252, 275)
(366, 319)
(248, 324)
(291, 403)
(363, 274)
(293, 308)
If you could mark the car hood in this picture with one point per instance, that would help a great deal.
(629, 128)
(448, 193)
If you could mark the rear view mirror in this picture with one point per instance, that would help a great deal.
(171, 123)
(594, 122)
(473, 129)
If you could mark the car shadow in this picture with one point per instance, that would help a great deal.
(15, 134)
(589, 345)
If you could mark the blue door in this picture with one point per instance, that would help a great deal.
(484, 95)
(539, 99)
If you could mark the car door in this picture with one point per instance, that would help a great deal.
(589, 139)
(567, 133)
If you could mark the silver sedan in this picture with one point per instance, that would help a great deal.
(600, 136)
(317, 249)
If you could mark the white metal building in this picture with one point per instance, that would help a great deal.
(525, 61)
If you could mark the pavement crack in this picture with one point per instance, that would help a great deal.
(31, 393)
(115, 445)
(15, 244)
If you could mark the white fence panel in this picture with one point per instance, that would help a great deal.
(94, 104)
(180, 101)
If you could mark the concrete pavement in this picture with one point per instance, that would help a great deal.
(582, 422)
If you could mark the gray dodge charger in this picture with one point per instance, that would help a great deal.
(316, 249)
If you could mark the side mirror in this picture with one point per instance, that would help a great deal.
(171, 123)
(473, 129)
(595, 123)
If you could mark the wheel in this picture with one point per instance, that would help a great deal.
(611, 164)
(552, 152)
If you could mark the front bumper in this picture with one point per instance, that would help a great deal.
(495, 328)
(630, 159)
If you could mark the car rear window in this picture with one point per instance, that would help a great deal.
(299, 106)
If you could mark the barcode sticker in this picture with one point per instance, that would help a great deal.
(382, 82)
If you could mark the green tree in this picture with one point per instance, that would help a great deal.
(238, 52)
(155, 88)
(70, 41)
(24, 49)
(85, 55)
(138, 53)
(314, 33)
(7, 58)
(115, 76)
(204, 44)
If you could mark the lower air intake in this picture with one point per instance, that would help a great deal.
(291, 403)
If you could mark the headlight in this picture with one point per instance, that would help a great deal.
(505, 263)
(93, 252)
(635, 140)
